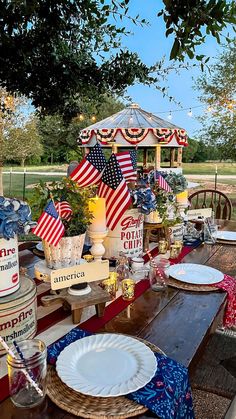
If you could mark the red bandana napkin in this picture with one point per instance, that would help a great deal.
(229, 285)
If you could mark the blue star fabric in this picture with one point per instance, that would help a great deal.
(168, 394)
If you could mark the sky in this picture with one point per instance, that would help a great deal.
(151, 44)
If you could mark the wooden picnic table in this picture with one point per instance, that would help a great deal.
(179, 322)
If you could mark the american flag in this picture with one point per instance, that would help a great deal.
(64, 209)
(162, 183)
(50, 227)
(114, 189)
(89, 170)
(128, 164)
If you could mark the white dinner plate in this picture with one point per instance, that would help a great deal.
(39, 247)
(106, 365)
(193, 273)
(226, 235)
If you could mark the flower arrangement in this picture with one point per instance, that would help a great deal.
(177, 182)
(144, 199)
(15, 217)
(65, 190)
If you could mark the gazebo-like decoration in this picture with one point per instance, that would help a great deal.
(134, 127)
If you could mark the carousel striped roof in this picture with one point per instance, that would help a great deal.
(130, 117)
(133, 126)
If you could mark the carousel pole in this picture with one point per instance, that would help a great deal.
(172, 157)
(179, 157)
(158, 157)
(145, 157)
(114, 148)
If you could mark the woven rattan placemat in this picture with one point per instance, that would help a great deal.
(92, 407)
(233, 243)
(190, 287)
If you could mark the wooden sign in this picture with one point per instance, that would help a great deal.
(87, 272)
(200, 212)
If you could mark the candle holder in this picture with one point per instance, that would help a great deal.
(97, 249)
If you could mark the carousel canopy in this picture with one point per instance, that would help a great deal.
(133, 126)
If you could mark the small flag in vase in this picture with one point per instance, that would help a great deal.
(89, 170)
(162, 183)
(128, 163)
(114, 189)
(50, 227)
(64, 209)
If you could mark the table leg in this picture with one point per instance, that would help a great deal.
(146, 239)
(100, 309)
(76, 315)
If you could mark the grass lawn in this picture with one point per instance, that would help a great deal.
(188, 168)
(209, 168)
(17, 186)
(48, 168)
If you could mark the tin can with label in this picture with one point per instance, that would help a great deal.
(9, 266)
(18, 313)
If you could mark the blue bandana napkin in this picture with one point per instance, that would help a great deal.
(168, 394)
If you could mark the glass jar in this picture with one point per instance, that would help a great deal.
(158, 274)
(122, 269)
(22, 392)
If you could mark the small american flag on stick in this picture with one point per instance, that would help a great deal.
(162, 183)
(64, 210)
(50, 227)
(128, 163)
(89, 170)
(114, 189)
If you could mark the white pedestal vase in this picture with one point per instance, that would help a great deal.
(9, 266)
(67, 253)
(97, 249)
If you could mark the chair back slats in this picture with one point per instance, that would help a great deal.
(211, 198)
(225, 212)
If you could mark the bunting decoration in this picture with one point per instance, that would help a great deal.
(134, 136)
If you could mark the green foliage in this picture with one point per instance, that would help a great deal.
(218, 92)
(191, 151)
(177, 182)
(191, 21)
(22, 142)
(200, 151)
(60, 137)
(68, 190)
(55, 52)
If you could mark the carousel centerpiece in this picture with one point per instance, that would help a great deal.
(15, 219)
(134, 127)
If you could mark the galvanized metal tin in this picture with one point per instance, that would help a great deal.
(18, 313)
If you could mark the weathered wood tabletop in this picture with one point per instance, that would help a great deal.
(179, 322)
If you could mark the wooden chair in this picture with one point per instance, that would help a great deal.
(211, 198)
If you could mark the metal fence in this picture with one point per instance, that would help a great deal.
(20, 184)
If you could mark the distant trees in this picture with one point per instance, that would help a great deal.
(11, 115)
(198, 151)
(23, 142)
(218, 92)
(59, 138)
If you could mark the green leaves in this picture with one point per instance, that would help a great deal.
(217, 91)
(69, 190)
(175, 49)
(186, 19)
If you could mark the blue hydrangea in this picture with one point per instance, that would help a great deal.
(15, 217)
(144, 199)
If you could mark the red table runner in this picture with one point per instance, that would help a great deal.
(94, 323)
